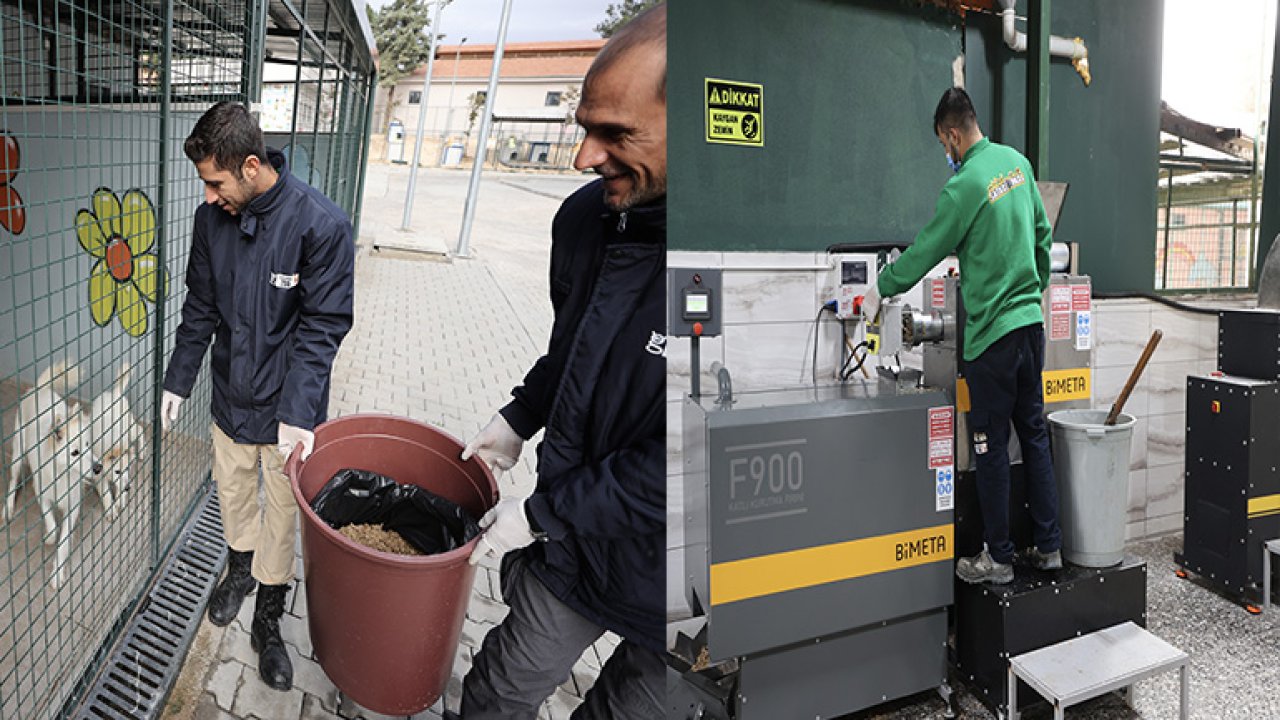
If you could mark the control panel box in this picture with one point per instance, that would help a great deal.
(694, 299)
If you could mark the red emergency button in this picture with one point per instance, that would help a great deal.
(1215, 407)
(697, 330)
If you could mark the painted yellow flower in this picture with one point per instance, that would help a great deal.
(121, 234)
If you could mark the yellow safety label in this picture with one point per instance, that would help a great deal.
(735, 112)
(1264, 505)
(808, 567)
(1064, 385)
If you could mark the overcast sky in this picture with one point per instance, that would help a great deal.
(531, 20)
(1217, 60)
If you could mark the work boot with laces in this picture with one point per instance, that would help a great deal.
(273, 659)
(238, 582)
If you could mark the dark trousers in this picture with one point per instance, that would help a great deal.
(1005, 385)
(524, 659)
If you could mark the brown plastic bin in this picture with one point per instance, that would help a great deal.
(385, 627)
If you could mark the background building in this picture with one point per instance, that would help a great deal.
(538, 91)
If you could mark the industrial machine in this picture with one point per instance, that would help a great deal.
(1232, 495)
(822, 524)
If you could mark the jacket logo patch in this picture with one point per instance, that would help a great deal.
(1000, 186)
(657, 344)
(284, 282)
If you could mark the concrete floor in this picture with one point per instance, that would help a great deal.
(1234, 657)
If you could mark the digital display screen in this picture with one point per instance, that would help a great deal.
(695, 303)
(853, 272)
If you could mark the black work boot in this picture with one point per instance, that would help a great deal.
(238, 582)
(273, 659)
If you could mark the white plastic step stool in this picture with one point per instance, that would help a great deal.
(1085, 667)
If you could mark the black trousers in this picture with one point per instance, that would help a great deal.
(1005, 386)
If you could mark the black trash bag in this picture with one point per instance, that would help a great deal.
(425, 520)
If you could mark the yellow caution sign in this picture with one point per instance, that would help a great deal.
(1064, 385)
(795, 569)
(735, 112)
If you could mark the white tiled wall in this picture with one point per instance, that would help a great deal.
(767, 343)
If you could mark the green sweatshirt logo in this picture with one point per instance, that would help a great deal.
(1001, 185)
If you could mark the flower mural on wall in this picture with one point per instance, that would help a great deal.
(120, 234)
(13, 216)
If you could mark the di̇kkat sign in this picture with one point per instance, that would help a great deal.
(735, 112)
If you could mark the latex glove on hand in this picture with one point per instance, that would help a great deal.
(871, 303)
(169, 404)
(506, 528)
(288, 436)
(497, 445)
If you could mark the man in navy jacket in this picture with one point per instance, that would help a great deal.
(270, 279)
(585, 552)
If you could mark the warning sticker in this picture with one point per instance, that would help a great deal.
(1084, 330)
(942, 434)
(1060, 325)
(944, 489)
(1080, 298)
(938, 294)
(1060, 299)
(735, 112)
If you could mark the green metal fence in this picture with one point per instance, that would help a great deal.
(96, 206)
(1207, 234)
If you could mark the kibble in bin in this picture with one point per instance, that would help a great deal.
(428, 522)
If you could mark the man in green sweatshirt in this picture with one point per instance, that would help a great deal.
(991, 216)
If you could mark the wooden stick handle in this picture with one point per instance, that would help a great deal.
(1133, 377)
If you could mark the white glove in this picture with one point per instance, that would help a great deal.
(871, 303)
(169, 404)
(287, 436)
(506, 529)
(497, 445)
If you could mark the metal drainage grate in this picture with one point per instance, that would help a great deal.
(136, 679)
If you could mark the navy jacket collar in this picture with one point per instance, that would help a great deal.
(267, 201)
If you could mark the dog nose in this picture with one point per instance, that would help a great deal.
(97, 468)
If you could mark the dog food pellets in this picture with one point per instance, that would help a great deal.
(379, 538)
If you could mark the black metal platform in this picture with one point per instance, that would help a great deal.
(995, 622)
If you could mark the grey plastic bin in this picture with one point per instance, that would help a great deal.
(1091, 462)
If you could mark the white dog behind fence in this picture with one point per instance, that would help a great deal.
(51, 442)
(64, 447)
(116, 436)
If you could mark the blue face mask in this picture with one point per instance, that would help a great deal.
(955, 166)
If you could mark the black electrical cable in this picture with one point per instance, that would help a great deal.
(847, 372)
(830, 306)
(1157, 298)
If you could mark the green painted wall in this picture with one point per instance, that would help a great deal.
(850, 156)
(849, 92)
(1103, 139)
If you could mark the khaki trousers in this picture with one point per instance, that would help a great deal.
(268, 532)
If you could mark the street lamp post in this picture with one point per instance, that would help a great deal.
(482, 142)
(422, 117)
(448, 127)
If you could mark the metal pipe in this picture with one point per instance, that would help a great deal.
(422, 119)
(162, 239)
(482, 142)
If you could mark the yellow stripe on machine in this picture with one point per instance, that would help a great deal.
(808, 567)
(1264, 505)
